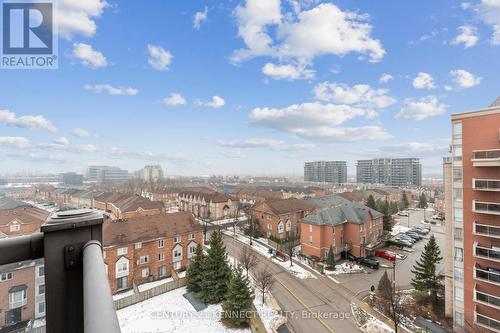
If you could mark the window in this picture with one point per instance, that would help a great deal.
(40, 271)
(121, 283)
(161, 243)
(17, 299)
(41, 289)
(15, 227)
(269, 226)
(122, 251)
(122, 267)
(458, 233)
(192, 249)
(458, 318)
(138, 245)
(310, 228)
(177, 239)
(145, 272)
(177, 253)
(143, 260)
(457, 194)
(457, 174)
(6, 276)
(458, 214)
(459, 294)
(280, 227)
(457, 130)
(191, 236)
(41, 307)
(177, 265)
(459, 254)
(162, 271)
(458, 274)
(269, 217)
(457, 152)
(288, 225)
(161, 256)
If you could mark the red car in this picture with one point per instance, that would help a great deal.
(386, 255)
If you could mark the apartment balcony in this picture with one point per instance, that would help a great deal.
(486, 322)
(489, 185)
(487, 275)
(486, 158)
(488, 253)
(486, 230)
(486, 299)
(491, 208)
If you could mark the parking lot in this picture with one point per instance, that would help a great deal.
(360, 283)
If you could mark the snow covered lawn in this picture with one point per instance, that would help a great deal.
(346, 268)
(171, 312)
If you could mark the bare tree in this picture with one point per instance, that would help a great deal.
(264, 281)
(247, 258)
(390, 301)
(289, 245)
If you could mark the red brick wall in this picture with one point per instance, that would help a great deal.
(22, 276)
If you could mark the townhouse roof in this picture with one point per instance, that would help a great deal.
(335, 210)
(91, 195)
(208, 196)
(27, 215)
(262, 193)
(128, 202)
(144, 228)
(7, 203)
(285, 206)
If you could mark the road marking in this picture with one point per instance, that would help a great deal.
(305, 305)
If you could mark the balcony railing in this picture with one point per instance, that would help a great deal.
(77, 294)
(487, 299)
(491, 208)
(487, 322)
(486, 158)
(486, 185)
(486, 230)
(487, 253)
(487, 276)
(18, 304)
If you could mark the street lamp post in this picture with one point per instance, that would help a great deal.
(408, 219)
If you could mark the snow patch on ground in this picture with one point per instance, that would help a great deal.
(269, 312)
(368, 323)
(346, 268)
(171, 312)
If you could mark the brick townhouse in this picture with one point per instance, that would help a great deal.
(253, 195)
(279, 217)
(147, 248)
(21, 221)
(345, 225)
(124, 206)
(22, 293)
(208, 204)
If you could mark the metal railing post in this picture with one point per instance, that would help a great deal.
(65, 234)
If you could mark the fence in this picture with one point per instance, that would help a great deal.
(147, 294)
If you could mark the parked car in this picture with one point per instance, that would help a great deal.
(406, 237)
(403, 213)
(414, 235)
(406, 241)
(400, 242)
(386, 255)
(351, 256)
(369, 262)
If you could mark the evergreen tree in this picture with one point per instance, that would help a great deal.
(423, 201)
(194, 274)
(217, 274)
(371, 202)
(330, 259)
(387, 216)
(238, 300)
(425, 276)
(384, 287)
(393, 207)
(404, 200)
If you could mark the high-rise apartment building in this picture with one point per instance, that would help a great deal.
(326, 171)
(152, 173)
(390, 171)
(475, 218)
(102, 174)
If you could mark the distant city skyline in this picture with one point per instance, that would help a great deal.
(234, 88)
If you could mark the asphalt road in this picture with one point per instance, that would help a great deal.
(360, 283)
(312, 305)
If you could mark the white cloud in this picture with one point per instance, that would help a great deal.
(82, 133)
(423, 81)
(99, 88)
(360, 95)
(216, 102)
(468, 36)
(62, 141)
(489, 12)
(174, 99)
(425, 107)
(88, 56)
(278, 145)
(159, 58)
(384, 78)
(344, 134)
(303, 35)
(16, 141)
(287, 72)
(465, 5)
(234, 154)
(77, 17)
(418, 147)
(465, 79)
(38, 122)
(87, 148)
(200, 17)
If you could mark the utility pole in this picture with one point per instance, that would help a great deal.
(408, 218)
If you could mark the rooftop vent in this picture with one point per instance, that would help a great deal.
(496, 102)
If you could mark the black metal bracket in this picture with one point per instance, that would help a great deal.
(73, 255)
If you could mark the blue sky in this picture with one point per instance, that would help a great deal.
(250, 87)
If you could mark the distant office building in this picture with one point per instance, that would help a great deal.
(326, 171)
(390, 171)
(102, 174)
(152, 173)
(72, 178)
